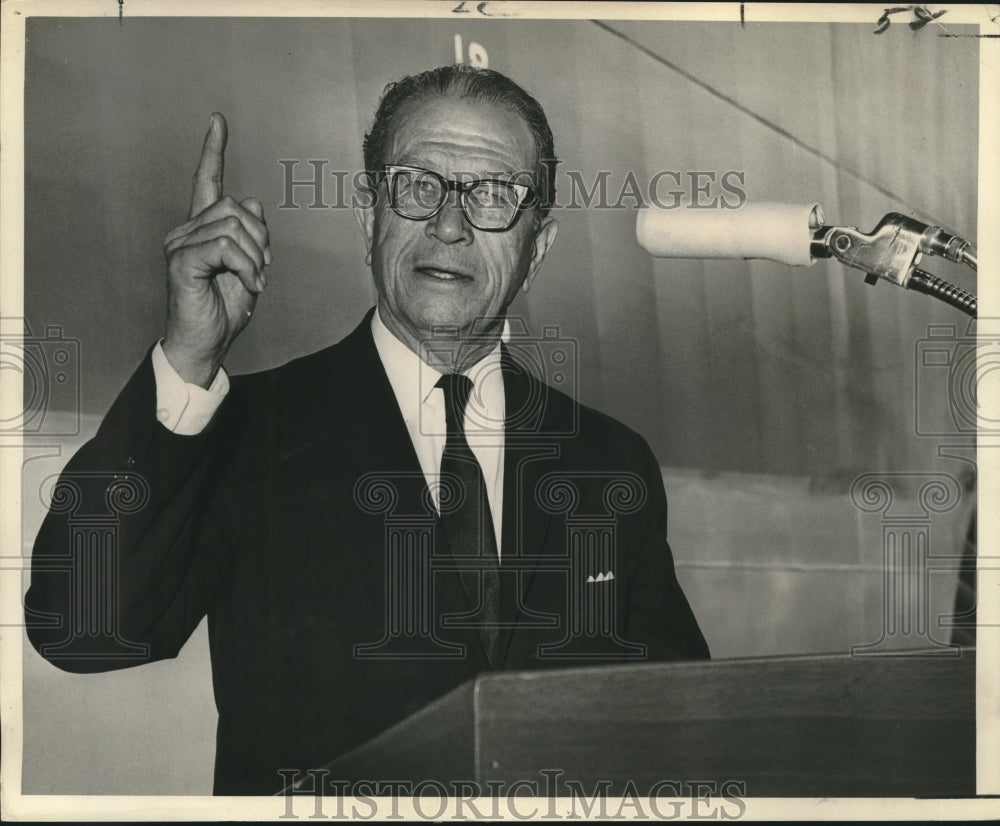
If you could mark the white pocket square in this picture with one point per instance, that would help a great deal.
(601, 577)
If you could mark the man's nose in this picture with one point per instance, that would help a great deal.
(450, 225)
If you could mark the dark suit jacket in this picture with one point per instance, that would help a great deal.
(299, 522)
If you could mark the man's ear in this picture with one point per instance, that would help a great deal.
(365, 216)
(545, 237)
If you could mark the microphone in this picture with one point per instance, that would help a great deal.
(775, 231)
(795, 234)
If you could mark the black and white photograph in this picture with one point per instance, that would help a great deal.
(497, 410)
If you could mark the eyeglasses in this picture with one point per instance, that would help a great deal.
(488, 204)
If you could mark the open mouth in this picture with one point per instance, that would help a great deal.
(442, 274)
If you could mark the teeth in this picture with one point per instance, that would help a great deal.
(441, 274)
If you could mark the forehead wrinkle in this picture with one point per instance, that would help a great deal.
(417, 138)
(452, 154)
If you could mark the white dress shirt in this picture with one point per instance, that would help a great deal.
(186, 409)
(183, 408)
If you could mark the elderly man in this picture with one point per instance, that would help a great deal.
(369, 526)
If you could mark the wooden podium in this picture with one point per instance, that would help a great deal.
(814, 726)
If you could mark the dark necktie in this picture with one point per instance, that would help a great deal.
(469, 525)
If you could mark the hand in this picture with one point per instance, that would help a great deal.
(215, 268)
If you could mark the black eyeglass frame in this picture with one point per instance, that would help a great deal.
(525, 194)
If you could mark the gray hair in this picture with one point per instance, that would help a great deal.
(464, 81)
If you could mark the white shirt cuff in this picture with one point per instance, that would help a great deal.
(183, 408)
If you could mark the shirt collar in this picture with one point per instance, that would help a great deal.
(413, 380)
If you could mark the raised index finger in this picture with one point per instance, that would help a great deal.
(208, 177)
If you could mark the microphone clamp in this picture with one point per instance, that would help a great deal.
(892, 251)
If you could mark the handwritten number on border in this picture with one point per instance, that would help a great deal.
(481, 8)
(920, 12)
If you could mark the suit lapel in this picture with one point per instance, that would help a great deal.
(378, 441)
(533, 448)
(369, 424)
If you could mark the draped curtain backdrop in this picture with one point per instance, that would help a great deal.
(742, 366)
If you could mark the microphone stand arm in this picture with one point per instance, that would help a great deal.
(892, 251)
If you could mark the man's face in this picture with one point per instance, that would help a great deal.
(443, 271)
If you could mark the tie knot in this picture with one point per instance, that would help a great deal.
(457, 388)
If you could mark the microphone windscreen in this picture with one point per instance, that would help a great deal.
(776, 231)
